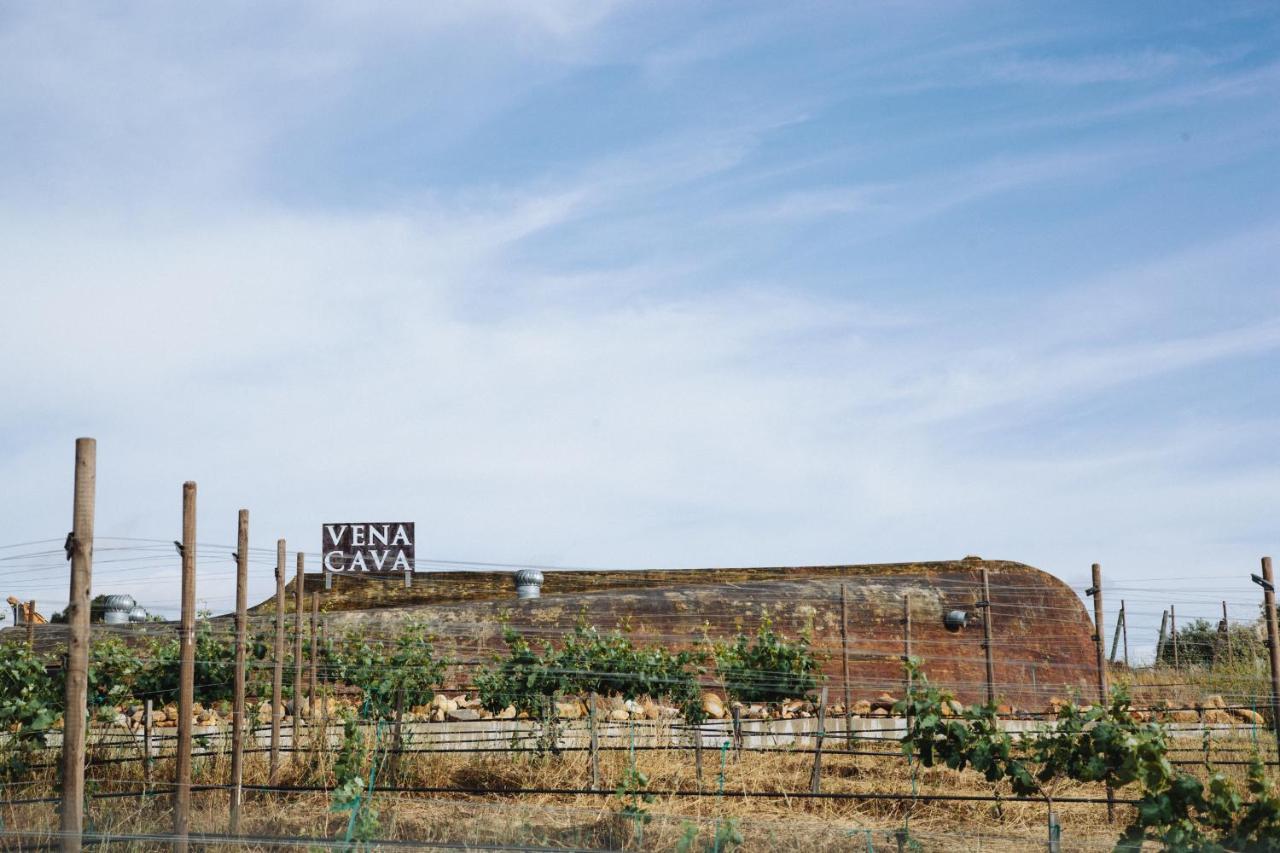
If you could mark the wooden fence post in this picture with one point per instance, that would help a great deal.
(1226, 630)
(815, 778)
(1173, 633)
(397, 740)
(985, 604)
(1096, 592)
(594, 742)
(299, 605)
(315, 658)
(80, 551)
(906, 641)
(1160, 641)
(1273, 642)
(237, 712)
(1115, 637)
(186, 671)
(1124, 631)
(147, 722)
(844, 665)
(31, 624)
(324, 697)
(277, 668)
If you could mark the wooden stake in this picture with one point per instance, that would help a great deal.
(1096, 592)
(298, 607)
(397, 740)
(986, 637)
(815, 778)
(1164, 623)
(595, 742)
(237, 708)
(1173, 634)
(906, 639)
(315, 657)
(1124, 631)
(147, 722)
(1115, 638)
(186, 672)
(1226, 630)
(1273, 642)
(31, 624)
(75, 718)
(844, 665)
(277, 668)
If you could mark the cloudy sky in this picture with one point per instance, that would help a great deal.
(638, 284)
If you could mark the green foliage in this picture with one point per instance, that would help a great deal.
(29, 704)
(114, 671)
(349, 793)
(1200, 643)
(727, 836)
(590, 662)
(383, 669)
(767, 667)
(1100, 743)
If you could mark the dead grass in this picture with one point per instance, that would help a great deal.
(595, 821)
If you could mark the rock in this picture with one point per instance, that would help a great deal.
(440, 701)
(794, 707)
(197, 709)
(1005, 710)
(633, 708)
(1182, 715)
(1218, 717)
(1246, 715)
(568, 710)
(666, 712)
(884, 700)
(879, 712)
(159, 716)
(1056, 704)
(122, 720)
(713, 706)
(861, 708)
(1215, 701)
(437, 715)
(617, 703)
(651, 710)
(619, 715)
(754, 712)
(462, 715)
(507, 713)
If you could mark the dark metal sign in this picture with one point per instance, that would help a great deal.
(383, 548)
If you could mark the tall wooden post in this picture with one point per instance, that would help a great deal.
(1124, 631)
(1096, 592)
(299, 606)
(1273, 642)
(906, 638)
(147, 721)
(985, 604)
(186, 671)
(277, 668)
(237, 713)
(80, 550)
(31, 624)
(594, 742)
(1160, 641)
(815, 777)
(1226, 630)
(844, 665)
(1173, 633)
(315, 657)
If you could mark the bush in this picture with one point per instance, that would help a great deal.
(1200, 643)
(383, 669)
(767, 667)
(591, 662)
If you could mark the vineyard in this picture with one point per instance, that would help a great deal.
(947, 716)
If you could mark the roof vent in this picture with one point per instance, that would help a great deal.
(955, 620)
(528, 583)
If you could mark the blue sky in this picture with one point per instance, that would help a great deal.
(636, 284)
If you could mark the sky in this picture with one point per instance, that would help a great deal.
(636, 285)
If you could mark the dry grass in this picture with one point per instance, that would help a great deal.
(595, 821)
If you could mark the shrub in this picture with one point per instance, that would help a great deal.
(382, 669)
(767, 667)
(1200, 643)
